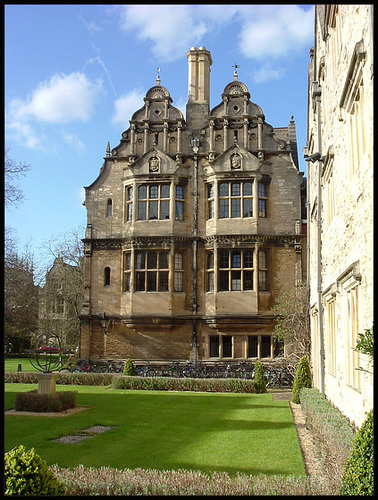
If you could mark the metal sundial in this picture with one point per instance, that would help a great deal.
(47, 355)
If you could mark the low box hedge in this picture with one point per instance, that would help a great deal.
(183, 384)
(332, 430)
(34, 402)
(62, 379)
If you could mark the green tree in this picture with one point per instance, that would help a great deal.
(302, 379)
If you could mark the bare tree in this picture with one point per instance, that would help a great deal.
(292, 322)
(21, 295)
(62, 293)
(12, 172)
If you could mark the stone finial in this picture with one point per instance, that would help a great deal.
(158, 78)
(108, 150)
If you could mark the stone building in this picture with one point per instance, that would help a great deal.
(340, 203)
(60, 302)
(194, 228)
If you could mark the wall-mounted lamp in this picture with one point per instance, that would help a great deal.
(315, 157)
(104, 323)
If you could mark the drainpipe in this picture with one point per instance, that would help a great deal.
(320, 161)
(195, 147)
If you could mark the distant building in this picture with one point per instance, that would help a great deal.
(340, 203)
(60, 303)
(194, 227)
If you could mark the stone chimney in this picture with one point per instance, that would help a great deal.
(198, 106)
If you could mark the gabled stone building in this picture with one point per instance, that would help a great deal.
(340, 203)
(194, 228)
(60, 302)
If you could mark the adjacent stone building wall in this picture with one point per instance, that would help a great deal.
(340, 128)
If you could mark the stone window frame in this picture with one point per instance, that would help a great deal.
(150, 200)
(217, 346)
(232, 197)
(109, 208)
(179, 272)
(328, 186)
(259, 346)
(348, 285)
(262, 200)
(107, 276)
(329, 300)
(147, 277)
(129, 195)
(263, 264)
(352, 106)
(233, 270)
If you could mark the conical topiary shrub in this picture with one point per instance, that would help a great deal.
(260, 385)
(358, 478)
(129, 368)
(302, 379)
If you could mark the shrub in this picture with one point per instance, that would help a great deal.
(62, 379)
(106, 481)
(32, 401)
(183, 384)
(129, 368)
(260, 385)
(358, 478)
(302, 379)
(332, 433)
(27, 474)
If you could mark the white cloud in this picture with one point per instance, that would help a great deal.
(265, 31)
(126, 106)
(75, 142)
(61, 100)
(276, 31)
(173, 29)
(267, 73)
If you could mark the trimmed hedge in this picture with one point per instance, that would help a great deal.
(32, 401)
(358, 478)
(105, 481)
(62, 379)
(27, 474)
(331, 429)
(183, 384)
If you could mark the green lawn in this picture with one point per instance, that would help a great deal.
(11, 365)
(165, 430)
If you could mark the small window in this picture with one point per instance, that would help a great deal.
(227, 346)
(109, 208)
(214, 346)
(179, 272)
(263, 271)
(265, 347)
(107, 276)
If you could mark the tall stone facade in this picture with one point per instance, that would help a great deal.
(194, 228)
(340, 203)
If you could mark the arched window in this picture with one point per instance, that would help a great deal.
(107, 276)
(109, 208)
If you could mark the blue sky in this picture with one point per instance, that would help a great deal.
(74, 75)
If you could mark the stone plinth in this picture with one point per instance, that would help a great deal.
(47, 383)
